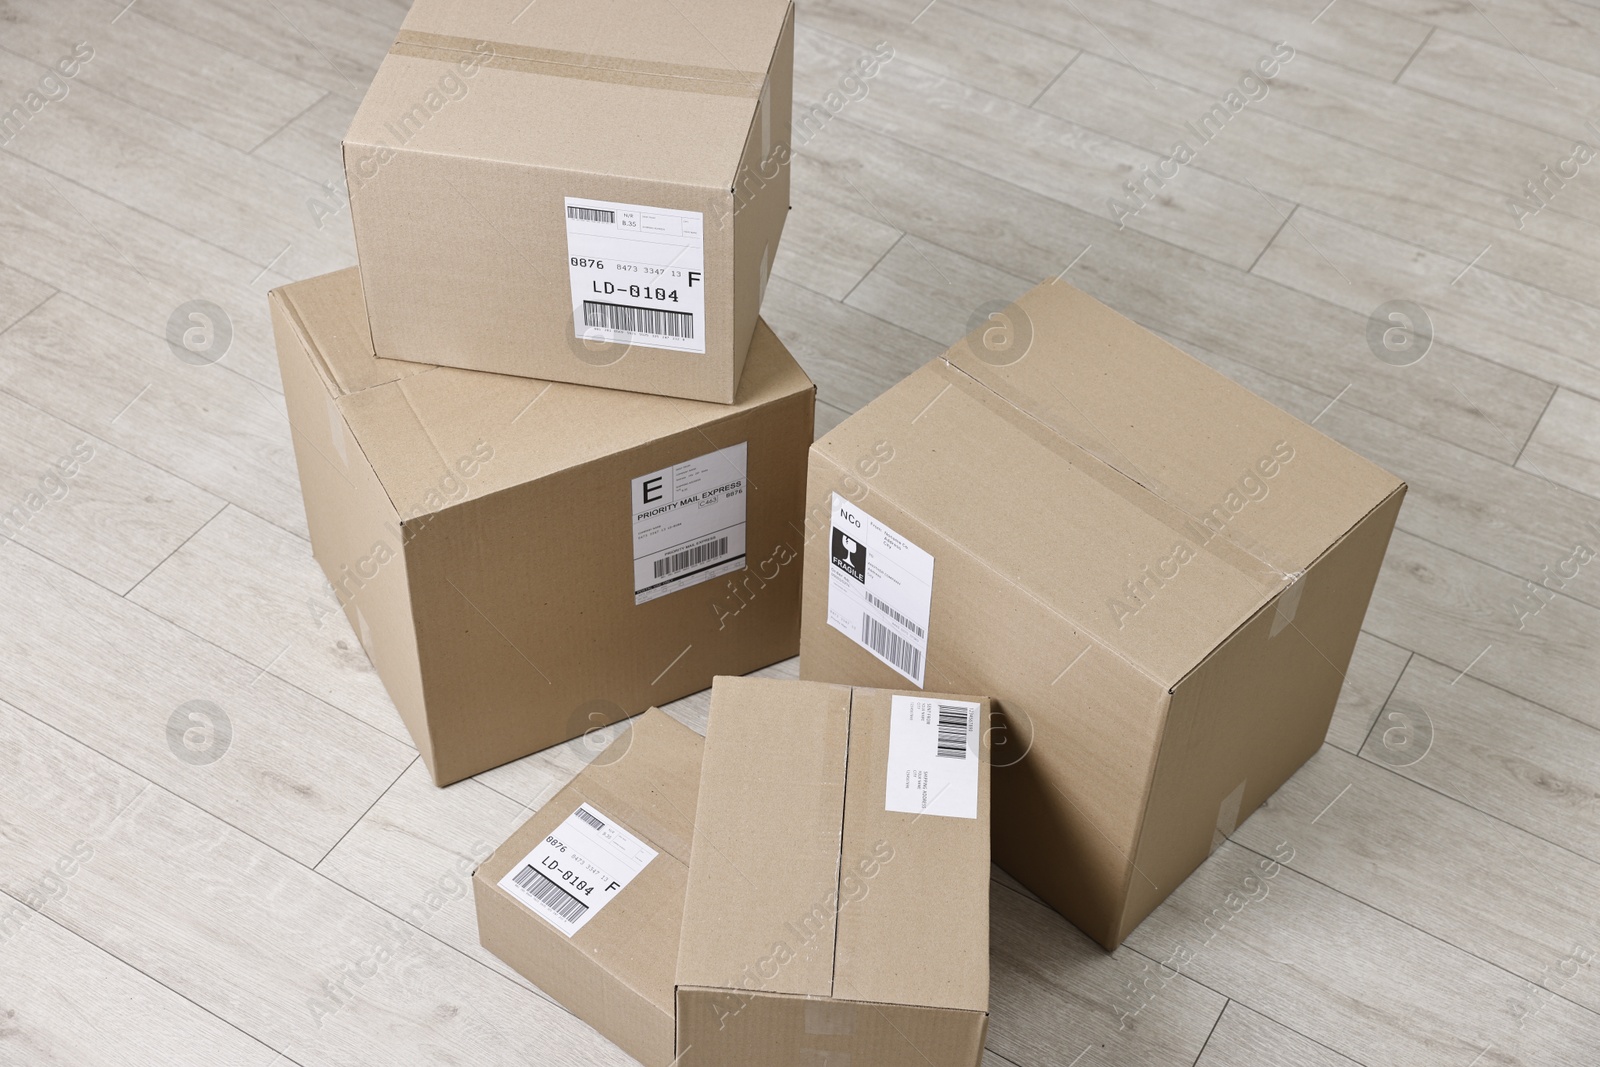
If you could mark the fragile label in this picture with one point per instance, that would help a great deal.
(880, 587)
(637, 274)
(689, 522)
(577, 869)
(933, 757)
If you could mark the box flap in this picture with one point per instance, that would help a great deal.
(914, 889)
(1127, 486)
(331, 317)
(660, 91)
(648, 781)
(760, 908)
(417, 424)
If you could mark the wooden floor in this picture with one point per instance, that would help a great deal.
(299, 899)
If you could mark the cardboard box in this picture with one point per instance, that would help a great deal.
(581, 193)
(527, 561)
(838, 901)
(1157, 575)
(545, 900)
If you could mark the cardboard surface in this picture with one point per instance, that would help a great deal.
(479, 532)
(816, 922)
(1159, 576)
(616, 973)
(486, 116)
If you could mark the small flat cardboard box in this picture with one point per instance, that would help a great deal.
(1157, 575)
(588, 193)
(527, 561)
(615, 972)
(838, 901)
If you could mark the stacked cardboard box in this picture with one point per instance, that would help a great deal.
(1158, 576)
(555, 470)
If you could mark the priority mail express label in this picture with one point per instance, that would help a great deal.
(689, 522)
(880, 589)
(933, 757)
(637, 274)
(577, 869)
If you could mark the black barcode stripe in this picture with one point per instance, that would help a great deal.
(626, 318)
(891, 646)
(895, 615)
(550, 895)
(953, 721)
(590, 819)
(591, 214)
(691, 557)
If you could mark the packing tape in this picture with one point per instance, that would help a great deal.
(683, 77)
(817, 1057)
(1163, 504)
(1227, 816)
(1288, 603)
(830, 1017)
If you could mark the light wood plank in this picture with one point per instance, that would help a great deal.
(287, 768)
(1392, 994)
(131, 265)
(929, 290)
(1361, 36)
(280, 952)
(68, 1004)
(1310, 342)
(1466, 615)
(1565, 446)
(87, 505)
(1523, 326)
(193, 183)
(829, 249)
(1491, 77)
(413, 855)
(949, 40)
(1057, 998)
(19, 294)
(1401, 198)
(136, 59)
(1057, 159)
(215, 428)
(1244, 1038)
(1512, 519)
(1374, 670)
(1565, 31)
(1513, 899)
(1490, 749)
(310, 147)
(851, 355)
(255, 590)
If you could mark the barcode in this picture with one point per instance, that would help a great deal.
(891, 646)
(625, 318)
(895, 615)
(590, 819)
(952, 732)
(551, 895)
(591, 214)
(691, 557)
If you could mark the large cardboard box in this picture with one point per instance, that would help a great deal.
(549, 899)
(837, 909)
(1157, 575)
(587, 193)
(526, 561)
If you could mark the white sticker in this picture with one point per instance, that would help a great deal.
(880, 587)
(577, 869)
(933, 757)
(637, 273)
(688, 522)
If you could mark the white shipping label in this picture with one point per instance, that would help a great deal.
(688, 522)
(577, 869)
(933, 757)
(637, 273)
(880, 587)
